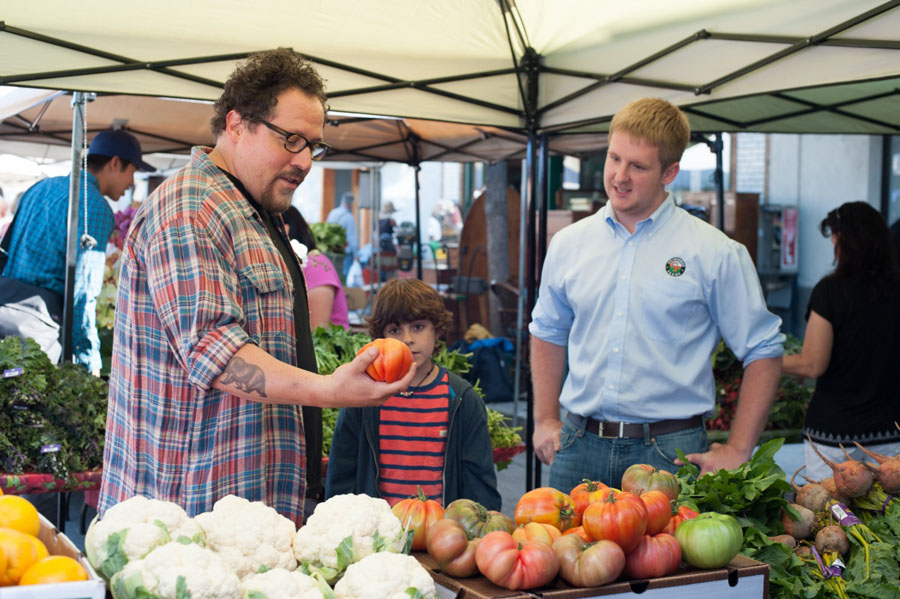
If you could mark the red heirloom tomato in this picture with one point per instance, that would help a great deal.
(418, 514)
(476, 519)
(710, 540)
(393, 361)
(659, 511)
(583, 564)
(512, 566)
(546, 505)
(579, 531)
(654, 556)
(536, 531)
(588, 492)
(640, 478)
(621, 519)
(683, 513)
(452, 548)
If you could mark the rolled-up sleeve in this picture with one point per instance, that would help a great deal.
(196, 294)
(738, 308)
(552, 316)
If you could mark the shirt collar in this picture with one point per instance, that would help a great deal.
(662, 213)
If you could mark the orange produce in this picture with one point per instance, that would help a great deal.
(20, 554)
(536, 531)
(588, 492)
(581, 532)
(55, 568)
(18, 513)
(393, 361)
(546, 505)
(418, 514)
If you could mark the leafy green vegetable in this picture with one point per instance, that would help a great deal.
(502, 435)
(345, 553)
(181, 590)
(115, 554)
(414, 593)
(789, 576)
(330, 237)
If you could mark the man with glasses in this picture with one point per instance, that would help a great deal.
(213, 356)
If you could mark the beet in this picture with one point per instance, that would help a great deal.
(828, 485)
(832, 538)
(887, 472)
(812, 496)
(785, 540)
(802, 528)
(851, 478)
(802, 550)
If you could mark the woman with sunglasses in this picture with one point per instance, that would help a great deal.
(852, 342)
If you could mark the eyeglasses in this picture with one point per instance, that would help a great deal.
(296, 143)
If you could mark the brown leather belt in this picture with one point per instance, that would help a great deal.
(630, 430)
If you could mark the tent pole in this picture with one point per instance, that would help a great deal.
(78, 104)
(418, 226)
(720, 182)
(526, 243)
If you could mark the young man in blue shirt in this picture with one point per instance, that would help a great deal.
(37, 247)
(634, 299)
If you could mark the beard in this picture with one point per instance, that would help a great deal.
(278, 201)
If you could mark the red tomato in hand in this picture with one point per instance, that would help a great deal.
(452, 548)
(512, 566)
(654, 556)
(588, 492)
(393, 360)
(418, 514)
(683, 513)
(640, 478)
(547, 506)
(621, 519)
(659, 511)
(584, 564)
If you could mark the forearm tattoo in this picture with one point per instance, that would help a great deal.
(244, 376)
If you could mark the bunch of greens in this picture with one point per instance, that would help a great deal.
(51, 419)
(329, 237)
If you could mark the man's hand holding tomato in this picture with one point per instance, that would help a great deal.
(357, 388)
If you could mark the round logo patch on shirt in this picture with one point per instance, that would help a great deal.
(675, 267)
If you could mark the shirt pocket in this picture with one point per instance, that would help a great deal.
(667, 306)
(264, 298)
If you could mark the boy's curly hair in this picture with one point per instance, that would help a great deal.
(253, 88)
(407, 300)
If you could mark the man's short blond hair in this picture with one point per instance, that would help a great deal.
(658, 122)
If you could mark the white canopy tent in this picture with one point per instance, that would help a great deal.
(533, 66)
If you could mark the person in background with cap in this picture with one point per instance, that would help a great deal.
(37, 246)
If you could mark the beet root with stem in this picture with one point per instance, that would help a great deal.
(832, 538)
(812, 496)
(887, 472)
(851, 478)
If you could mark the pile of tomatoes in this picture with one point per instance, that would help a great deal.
(589, 537)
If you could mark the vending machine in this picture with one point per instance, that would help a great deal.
(777, 253)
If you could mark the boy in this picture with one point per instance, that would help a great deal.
(433, 435)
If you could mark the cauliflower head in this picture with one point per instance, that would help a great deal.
(344, 530)
(249, 535)
(386, 576)
(132, 528)
(283, 584)
(177, 571)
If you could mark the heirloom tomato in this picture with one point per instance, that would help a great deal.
(536, 531)
(546, 505)
(584, 564)
(452, 548)
(659, 511)
(640, 478)
(579, 531)
(476, 519)
(621, 519)
(418, 514)
(710, 540)
(683, 513)
(393, 360)
(588, 492)
(654, 556)
(515, 566)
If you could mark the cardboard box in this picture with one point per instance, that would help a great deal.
(59, 544)
(743, 578)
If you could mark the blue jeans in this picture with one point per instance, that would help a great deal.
(585, 455)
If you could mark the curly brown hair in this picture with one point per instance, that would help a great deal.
(407, 300)
(253, 88)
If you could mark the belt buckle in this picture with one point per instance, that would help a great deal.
(621, 434)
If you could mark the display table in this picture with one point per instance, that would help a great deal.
(34, 483)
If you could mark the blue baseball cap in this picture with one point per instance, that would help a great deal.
(122, 144)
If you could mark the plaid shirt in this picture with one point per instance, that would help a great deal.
(200, 278)
(37, 253)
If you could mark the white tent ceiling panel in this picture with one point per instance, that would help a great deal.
(607, 95)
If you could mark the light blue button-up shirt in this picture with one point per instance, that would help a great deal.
(641, 313)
